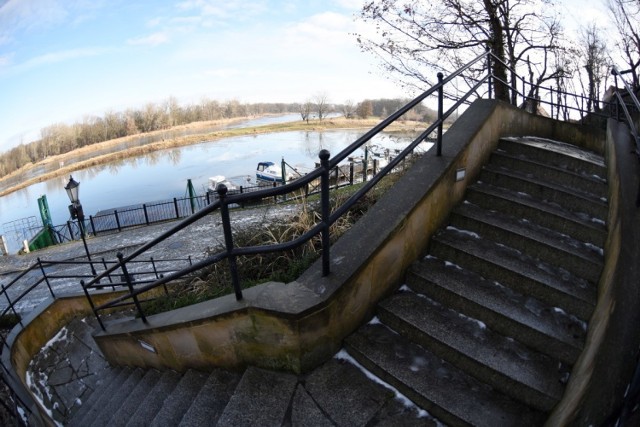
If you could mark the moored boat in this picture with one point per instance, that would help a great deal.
(270, 172)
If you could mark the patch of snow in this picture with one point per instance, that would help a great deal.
(467, 232)
(480, 323)
(595, 248)
(375, 321)
(343, 355)
(451, 264)
(405, 288)
(59, 337)
(598, 221)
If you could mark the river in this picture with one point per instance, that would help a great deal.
(162, 175)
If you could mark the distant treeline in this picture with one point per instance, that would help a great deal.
(62, 138)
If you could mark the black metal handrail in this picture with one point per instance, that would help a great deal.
(320, 173)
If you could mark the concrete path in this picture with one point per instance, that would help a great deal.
(204, 236)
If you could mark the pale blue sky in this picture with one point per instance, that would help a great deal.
(63, 59)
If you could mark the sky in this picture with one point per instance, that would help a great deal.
(62, 60)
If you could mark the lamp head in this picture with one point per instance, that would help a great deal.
(73, 190)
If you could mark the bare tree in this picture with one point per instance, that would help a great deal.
(348, 109)
(626, 17)
(414, 38)
(305, 110)
(594, 66)
(321, 104)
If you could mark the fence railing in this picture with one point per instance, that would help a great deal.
(318, 180)
(47, 276)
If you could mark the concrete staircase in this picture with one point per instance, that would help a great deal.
(485, 331)
(490, 322)
(337, 393)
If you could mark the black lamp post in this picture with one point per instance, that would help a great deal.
(75, 209)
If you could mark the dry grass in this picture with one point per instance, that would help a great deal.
(284, 266)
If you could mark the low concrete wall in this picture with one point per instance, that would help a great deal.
(299, 325)
(601, 376)
(36, 329)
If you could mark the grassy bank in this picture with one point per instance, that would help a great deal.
(314, 125)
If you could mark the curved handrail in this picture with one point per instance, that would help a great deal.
(322, 172)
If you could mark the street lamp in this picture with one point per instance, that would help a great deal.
(75, 209)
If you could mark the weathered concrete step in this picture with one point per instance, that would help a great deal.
(542, 327)
(437, 386)
(211, 400)
(559, 154)
(581, 227)
(135, 398)
(261, 398)
(154, 400)
(116, 400)
(587, 184)
(539, 242)
(567, 198)
(554, 286)
(99, 398)
(180, 399)
(505, 364)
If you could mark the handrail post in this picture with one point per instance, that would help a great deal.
(93, 307)
(127, 279)
(440, 113)
(228, 240)
(326, 211)
(93, 226)
(489, 80)
(11, 306)
(46, 279)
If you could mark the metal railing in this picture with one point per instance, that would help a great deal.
(628, 110)
(317, 180)
(323, 173)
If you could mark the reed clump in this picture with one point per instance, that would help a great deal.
(282, 266)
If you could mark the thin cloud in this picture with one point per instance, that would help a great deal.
(154, 39)
(56, 57)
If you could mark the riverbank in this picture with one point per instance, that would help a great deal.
(68, 165)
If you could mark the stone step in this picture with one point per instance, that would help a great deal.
(504, 364)
(567, 198)
(135, 398)
(558, 154)
(587, 184)
(446, 392)
(180, 399)
(116, 400)
(539, 242)
(540, 326)
(261, 398)
(510, 267)
(99, 398)
(581, 227)
(211, 400)
(154, 400)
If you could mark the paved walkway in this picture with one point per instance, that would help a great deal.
(204, 236)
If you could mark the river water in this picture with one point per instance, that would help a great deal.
(162, 175)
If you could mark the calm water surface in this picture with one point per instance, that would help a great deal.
(163, 174)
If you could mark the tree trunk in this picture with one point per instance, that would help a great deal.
(497, 47)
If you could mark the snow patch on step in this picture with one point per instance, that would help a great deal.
(344, 355)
